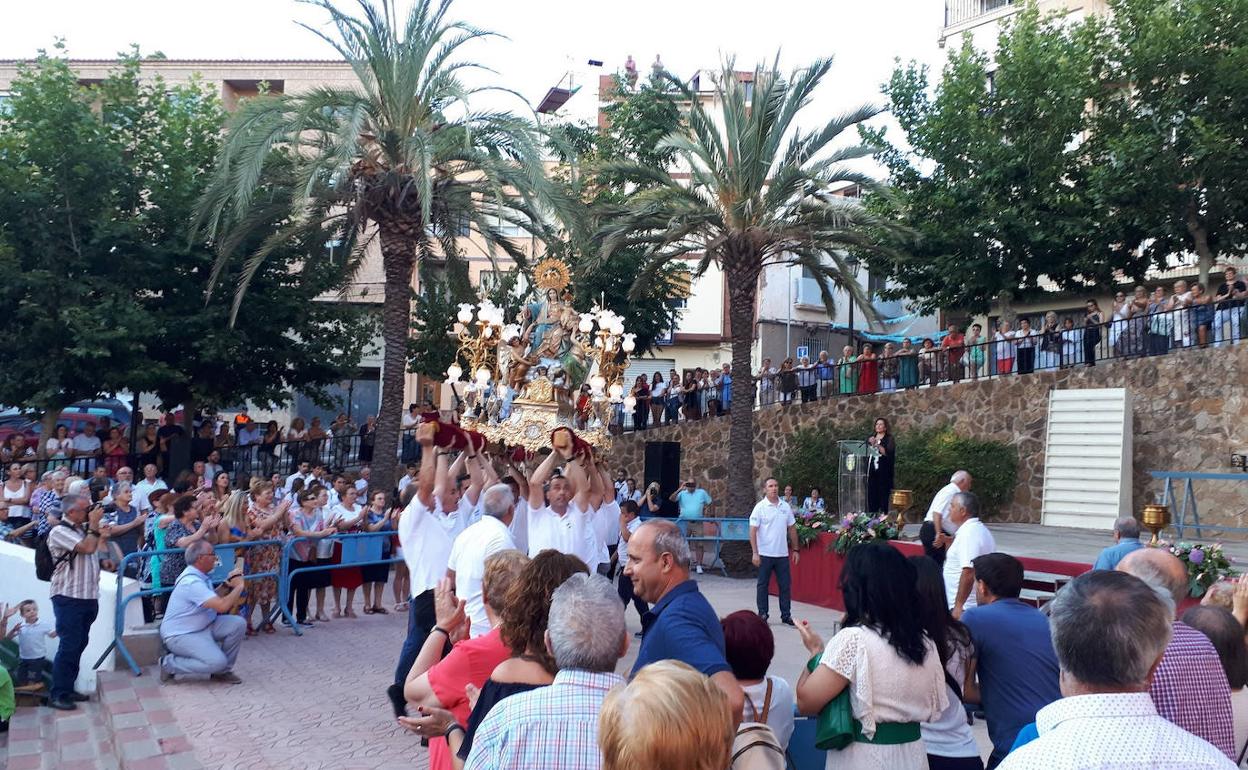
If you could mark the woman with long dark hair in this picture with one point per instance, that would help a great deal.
(885, 656)
(949, 741)
(882, 450)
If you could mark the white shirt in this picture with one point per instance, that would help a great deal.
(571, 533)
(622, 551)
(772, 520)
(290, 480)
(409, 420)
(780, 715)
(950, 735)
(940, 504)
(1112, 731)
(607, 527)
(972, 541)
(426, 537)
(468, 554)
(361, 485)
(141, 492)
(520, 525)
(404, 480)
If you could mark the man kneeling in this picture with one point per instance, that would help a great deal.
(201, 636)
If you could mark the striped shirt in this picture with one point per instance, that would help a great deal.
(528, 729)
(76, 576)
(1191, 690)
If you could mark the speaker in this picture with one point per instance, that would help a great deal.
(663, 466)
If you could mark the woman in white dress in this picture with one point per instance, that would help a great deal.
(885, 658)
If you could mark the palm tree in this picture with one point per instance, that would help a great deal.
(760, 192)
(400, 157)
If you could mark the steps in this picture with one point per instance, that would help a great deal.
(1087, 463)
(128, 726)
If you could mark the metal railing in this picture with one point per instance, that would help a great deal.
(1143, 336)
(1187, 502)
(958, 11)
(361, 554)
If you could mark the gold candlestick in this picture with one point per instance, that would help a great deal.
(901, 500)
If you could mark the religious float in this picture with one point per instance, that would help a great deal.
(517, 384)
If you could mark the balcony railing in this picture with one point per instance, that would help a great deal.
(959, 11)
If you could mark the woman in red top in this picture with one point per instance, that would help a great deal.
(868, 370)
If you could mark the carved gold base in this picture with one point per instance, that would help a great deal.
(530, 425)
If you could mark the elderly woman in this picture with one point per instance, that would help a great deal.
(187, 525)
(348, 516)
(885, 656)
(45, 502)
(669, 717)
(266, 520)
(749, 647)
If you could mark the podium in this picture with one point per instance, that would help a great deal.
(851, 483)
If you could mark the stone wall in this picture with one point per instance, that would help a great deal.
(1190, 412)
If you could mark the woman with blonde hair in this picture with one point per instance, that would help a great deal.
(669, 717)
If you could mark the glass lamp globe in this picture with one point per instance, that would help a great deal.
(454, 372)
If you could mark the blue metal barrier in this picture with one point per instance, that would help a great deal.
(1187, 504)
(727, 530)
(359, 549)
(218, 575)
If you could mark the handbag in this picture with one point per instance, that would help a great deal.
(834, 727)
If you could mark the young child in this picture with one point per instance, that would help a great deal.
(32, 642)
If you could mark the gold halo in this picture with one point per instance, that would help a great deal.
(551, 273)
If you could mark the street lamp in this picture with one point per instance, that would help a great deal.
(854, 265)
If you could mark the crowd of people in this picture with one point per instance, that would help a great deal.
(516, 574)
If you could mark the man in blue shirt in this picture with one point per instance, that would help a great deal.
(681, 625)
(1126, 539)
(200, 634)
(1014, 658)
(692, 499)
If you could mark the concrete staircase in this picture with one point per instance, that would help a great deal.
(126, 726)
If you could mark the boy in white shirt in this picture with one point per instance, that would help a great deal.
(32, 642)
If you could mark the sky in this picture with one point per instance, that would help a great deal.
(546, 39)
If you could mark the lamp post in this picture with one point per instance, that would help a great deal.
(854, 265)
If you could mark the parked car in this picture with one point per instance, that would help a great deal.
(71, 418)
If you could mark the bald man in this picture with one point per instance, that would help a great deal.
(936, 532)
(1189, 687)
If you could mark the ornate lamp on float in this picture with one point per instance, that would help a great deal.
(525, 376)
(1156, 517)
(901, 500)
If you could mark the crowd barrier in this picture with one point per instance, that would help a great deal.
(711, 530)
(1187, 502)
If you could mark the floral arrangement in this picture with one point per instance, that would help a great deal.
(855, 528)
(812, 524)
(1206, 564)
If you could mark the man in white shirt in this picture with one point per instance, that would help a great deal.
(1110, 630)
(427, 528)
(606, 518)
(86, 444)
(466, 566)
(936, 532)
(409, 477)
(361, 484)
(559, 519)
(304, 473)
(147, 486)
(773, 541)
(971, 541)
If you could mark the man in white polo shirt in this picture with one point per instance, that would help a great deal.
(427, 528)
(466, 567)
(773, 540)
(971, 541)
(936, 532)
(559, 518)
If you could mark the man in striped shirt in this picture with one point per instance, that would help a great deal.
(75, 591)
(557, 726)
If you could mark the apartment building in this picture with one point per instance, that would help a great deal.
(981, 19)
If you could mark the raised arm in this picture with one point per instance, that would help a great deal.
(537, 482)
(576, 473)
(522, 481)
(427, 480)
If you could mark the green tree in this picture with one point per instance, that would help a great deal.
(990, 171)
(69, 210)
(1168, 155)
(760, 193)
(401, 156)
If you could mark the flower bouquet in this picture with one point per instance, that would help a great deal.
(1206, 564)
(855, 528)
(812, 524)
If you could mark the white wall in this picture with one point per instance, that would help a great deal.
(17, 565)
(704, 308)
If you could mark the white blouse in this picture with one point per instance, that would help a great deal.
(884, 687)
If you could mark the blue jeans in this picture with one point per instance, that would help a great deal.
(420, 621)
(73, 626)
(780, 566)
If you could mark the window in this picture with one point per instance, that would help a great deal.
(333, 247)
(5, 99)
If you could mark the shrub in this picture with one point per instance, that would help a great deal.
(925, 461)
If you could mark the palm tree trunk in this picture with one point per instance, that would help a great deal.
(741, 296)
(398, 256)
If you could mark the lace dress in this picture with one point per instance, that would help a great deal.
(884, 687)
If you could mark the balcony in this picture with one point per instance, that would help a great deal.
(962, 11)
